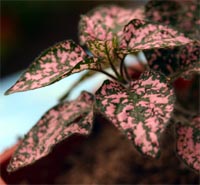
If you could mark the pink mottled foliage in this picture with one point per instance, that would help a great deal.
(102, 49)
(141, 111)
(142, 35)
(183, 15)
(188, 142)
(59, 123)
(90, 63)
(105, 22)
(103, 52)
(52, 65)
(182, 61)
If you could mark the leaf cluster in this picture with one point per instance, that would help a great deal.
(140, 108)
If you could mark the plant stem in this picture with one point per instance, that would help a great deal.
(110, 62)
(64, 96)
(106, 73)
(126, 73)
(74, 85)
(121, 68)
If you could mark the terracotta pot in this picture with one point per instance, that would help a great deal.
(4, 158)
(2, 181)
(43, 171)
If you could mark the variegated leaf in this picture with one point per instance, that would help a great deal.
(142, 35)
(188, 142)
(59, 123)
(105, 53)
(184, 15)
(52, 65)
(104, 22)
(88, 63)
(179, 61)
(141, 111)
(102, 49)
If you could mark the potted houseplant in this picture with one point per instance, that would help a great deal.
(141, 104)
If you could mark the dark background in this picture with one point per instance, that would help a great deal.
(29, 27)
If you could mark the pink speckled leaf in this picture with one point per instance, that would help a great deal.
(102, 49)
(104, 22)
(142, 35)
(188, 142)
(52, 65)
(59, 123)
(87, 63)
(178, 61)
(184, 15)
(141, 111)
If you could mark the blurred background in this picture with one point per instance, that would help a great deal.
(27, 28)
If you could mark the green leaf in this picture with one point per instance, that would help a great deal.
(184, 16)
(53, 64)
(144, 35)
(56, 125)
(105, 22)
(188, 142)
(141, 111)
(102, 49)
(175, 61)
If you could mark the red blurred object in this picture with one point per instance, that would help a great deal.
(181, 84)
(44, 171)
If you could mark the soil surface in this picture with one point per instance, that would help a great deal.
(104, 157)
(107, 157)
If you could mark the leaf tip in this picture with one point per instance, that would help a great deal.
(9, 169)
(8, 92)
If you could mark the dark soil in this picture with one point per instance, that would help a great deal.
(107, 157)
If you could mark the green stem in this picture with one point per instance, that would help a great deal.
(106, 73)
(111, 64)
(146, 66)
(175, 75)
(82, 78)
(64, 96)
(126, 73)
(122, 67)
